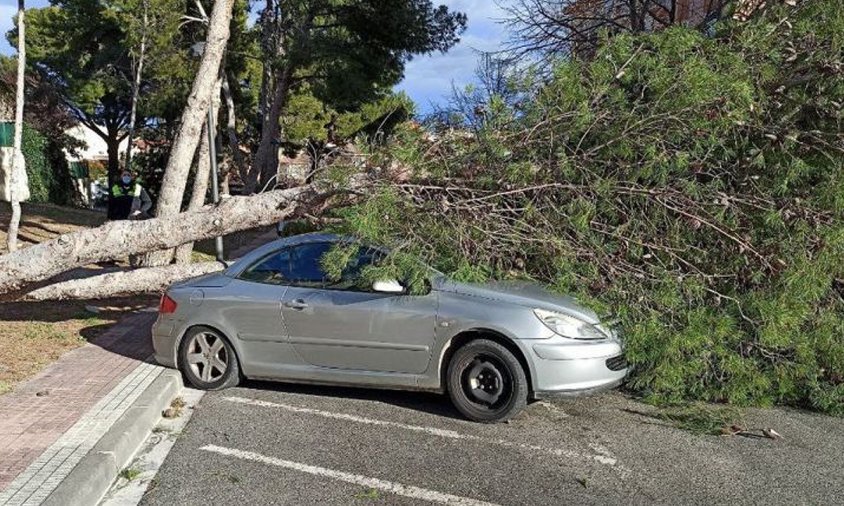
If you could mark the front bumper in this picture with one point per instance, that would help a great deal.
(565, 367)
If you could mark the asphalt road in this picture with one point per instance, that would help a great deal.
(268, 443)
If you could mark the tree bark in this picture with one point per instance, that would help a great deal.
(187, 139)
(113, 151)
(231, 129)
(265, 165)
(14, 222)
(136, 87)
(117, 239)
(203, 172)
(123, 283)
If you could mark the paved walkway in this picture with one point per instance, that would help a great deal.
(50, 422)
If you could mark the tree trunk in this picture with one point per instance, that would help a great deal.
(123, 283)
(265, 165)
(203, 172)
(187, 139)
(136, 87)
(269, 49)
(113, 150)
(231, 129)
(117, 239)
(14, 222)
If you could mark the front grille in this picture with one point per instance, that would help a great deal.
(617, 363)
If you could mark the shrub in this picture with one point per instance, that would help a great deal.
(691, 187)
(47, 169)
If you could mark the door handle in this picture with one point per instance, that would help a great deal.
(297, 304)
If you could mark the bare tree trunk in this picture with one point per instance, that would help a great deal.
(14, 223)
(273, 83)
(265, 164)
(123, 283)
(113, 151)
(203, 171)
(136, 87)
(117, 239)
(231, 128)
(187, 139)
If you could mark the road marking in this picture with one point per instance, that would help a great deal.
(605, 458)
(355, 479)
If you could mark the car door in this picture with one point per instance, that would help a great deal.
(341, 325)
(252, 308)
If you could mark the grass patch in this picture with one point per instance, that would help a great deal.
(368, 494)
(199, 256)
(130, 473)
(700, 418)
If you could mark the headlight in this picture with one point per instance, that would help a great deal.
(568, 326)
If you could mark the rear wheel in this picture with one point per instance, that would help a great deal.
(207, 360)
(486, 382)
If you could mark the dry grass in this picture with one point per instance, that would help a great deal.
(34, 334)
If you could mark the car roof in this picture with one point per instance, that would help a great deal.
(294, 240)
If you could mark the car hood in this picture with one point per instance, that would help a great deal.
(520, 293)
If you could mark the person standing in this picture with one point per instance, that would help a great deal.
(128, 200)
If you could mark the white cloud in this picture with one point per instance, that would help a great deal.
(429, 78)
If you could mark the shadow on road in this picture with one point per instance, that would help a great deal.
(427, 402)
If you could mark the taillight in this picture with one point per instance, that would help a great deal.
(167, 305)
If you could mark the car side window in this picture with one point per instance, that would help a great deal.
(272, 269)
(350, 277)
(301, 266)
(305, 268)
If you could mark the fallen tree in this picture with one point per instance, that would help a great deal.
(23, 270)
(123, 283)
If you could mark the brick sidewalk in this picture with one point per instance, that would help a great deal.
(47, 421)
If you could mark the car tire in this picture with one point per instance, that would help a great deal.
(486, 382)
(207, 360)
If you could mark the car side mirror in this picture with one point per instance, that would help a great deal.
(387, 286)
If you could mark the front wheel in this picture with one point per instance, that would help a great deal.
(207, 360)
(486, 382)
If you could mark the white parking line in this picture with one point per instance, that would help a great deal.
(605, 458)
(356, 479)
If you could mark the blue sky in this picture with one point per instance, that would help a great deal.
(427, 79)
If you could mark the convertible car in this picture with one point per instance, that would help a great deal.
(274, 315)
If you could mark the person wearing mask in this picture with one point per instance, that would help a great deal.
(128, 200)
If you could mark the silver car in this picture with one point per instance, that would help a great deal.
(492, 347)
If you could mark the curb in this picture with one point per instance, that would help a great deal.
(91, 478)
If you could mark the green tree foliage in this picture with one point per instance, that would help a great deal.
(353, 52)
(691, 187)
(86, 49)
(308, 119)
(347, 52)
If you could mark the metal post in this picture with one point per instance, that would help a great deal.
(215, 187)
